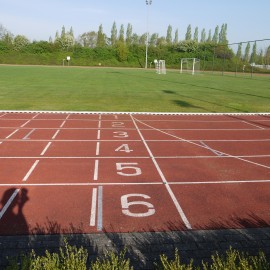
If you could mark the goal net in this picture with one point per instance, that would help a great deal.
(190, 65)
(160, 66)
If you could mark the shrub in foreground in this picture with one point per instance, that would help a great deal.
(72, 258)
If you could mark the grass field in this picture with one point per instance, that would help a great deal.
(107, 89)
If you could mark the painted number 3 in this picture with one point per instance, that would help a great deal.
(150, 210)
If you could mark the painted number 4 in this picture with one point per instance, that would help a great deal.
(150, 210)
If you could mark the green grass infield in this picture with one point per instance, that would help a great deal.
(129, 90)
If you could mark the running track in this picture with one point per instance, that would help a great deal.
(109, 172)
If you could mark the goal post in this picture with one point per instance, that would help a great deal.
(190, 65)
(160, 66)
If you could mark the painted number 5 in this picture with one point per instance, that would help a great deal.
(126, 205)
(128, 169)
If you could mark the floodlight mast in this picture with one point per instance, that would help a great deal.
(148, 3)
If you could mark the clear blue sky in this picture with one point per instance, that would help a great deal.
(40, 19)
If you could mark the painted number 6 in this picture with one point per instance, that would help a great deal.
(126, 204)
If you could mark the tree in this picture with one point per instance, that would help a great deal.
(209, 39)
(247, 51)
(223, 34)
(129, 34)
(153, 39)
(169, 35)
(20, 42)
(239, 51)
(188, 33)
(196, 35)
(215, 36)
(101, 38)
(203, 36)
(176, 37)
(114, 34)
(122, 34)
(253, 57)
(88, 39)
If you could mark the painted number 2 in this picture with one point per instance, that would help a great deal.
(150, 210)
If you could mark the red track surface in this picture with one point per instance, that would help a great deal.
(86, 173)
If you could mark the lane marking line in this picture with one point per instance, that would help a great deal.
(98, 134)
(63, 124)
(45, 149)
(191, 142)
(3, 115)
(96, 170)
(164, 180)
(23, 125)
(26, 137)
(10, 200)
(55, 134)
(97, 148)
(100, 209)
(12, 133)
(93, 208)
(30, 171)
(246, 122)
(99, 124)
(35, 115)
(212, 150)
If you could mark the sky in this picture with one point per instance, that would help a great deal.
(40, 19)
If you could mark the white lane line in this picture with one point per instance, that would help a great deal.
(93, 208)
(100, 208)
(197, 144)
(225, 182)
(164, 180)
(98, 134)
(23, 125)
(212, 150)
(3, 115)
(63, 124)
(99, 124)
(45, 149)
(246, 122)
(10, 200)
(96, 170)
(12, 133)
(97, 148)
(55, 134)
(35, 115)
(99, 117)
(26, 137)
(30, 171)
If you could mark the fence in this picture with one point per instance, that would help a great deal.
(242, 58)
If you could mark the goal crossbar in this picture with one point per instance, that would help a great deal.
(190, 63)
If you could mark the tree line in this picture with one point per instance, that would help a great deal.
(124, 47)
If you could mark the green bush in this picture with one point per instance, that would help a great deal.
(73, 258)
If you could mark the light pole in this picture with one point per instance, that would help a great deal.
(148, 3)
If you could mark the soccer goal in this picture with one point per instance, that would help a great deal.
(160, 66)
(190, 65)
